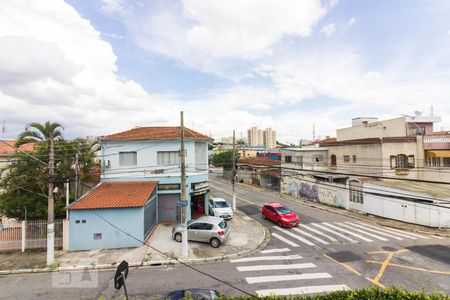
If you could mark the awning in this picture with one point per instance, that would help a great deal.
(200, 192)
(437, 153)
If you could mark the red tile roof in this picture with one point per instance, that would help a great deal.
(116, 195)
(9, 149)
(156, 133)
(263, 161)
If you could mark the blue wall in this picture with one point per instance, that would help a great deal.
(81, 235)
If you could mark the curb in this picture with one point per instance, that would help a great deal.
(153, 263)
(343, 212)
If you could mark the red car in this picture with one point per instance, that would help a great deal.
(279, 214)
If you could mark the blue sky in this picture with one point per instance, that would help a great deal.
(109, 65)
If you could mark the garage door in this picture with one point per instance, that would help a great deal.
(167, 207)
(150, 218)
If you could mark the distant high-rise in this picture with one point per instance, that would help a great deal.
(261, 138)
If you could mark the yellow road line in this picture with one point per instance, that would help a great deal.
(387, 252)
(411, 268)
(376, 283)
(383, 267)
(344, 265)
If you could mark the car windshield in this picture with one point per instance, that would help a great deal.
(221, 204)
(283, 210)
(223, 224)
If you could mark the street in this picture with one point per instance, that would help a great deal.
(327, 252)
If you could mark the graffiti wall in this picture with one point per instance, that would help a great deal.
(326, 192)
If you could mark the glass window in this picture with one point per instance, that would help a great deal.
(221, 204)
(97, 236)
(347, 158)
(168, 158)
(127, 159)
(288, 158)
(223, 224)
(205, 226)
(283, 210)
(194, 226)
(354, 158)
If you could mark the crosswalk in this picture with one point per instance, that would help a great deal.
(325, 233)
(265, 269)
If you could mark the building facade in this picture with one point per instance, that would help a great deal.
(261, 138)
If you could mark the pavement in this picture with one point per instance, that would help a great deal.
(246, 237)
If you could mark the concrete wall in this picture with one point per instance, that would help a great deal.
(328, 193)
(368, 158)
(387, 128)
(305, 158)
(130, 220)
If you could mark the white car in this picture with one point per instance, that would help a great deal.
(219, 207)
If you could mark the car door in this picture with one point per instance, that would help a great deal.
(193, 230)
(211, 206)
(272, 215)
(205, 232)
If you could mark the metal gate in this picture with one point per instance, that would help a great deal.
(167, 207)
(150, 216)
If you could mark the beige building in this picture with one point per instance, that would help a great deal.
(261, 138)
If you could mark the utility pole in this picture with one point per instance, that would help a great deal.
(51, 214)
(76, 178)
(233, 179)
(67, 197)
(184, 237)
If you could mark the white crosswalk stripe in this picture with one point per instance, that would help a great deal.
(275, 250)
(276, 278)
(303, 290)
(363, 231)
(294, 236)
(319, 233)
(409, 233)
(283, 239)
(312, 236)
(335, 233)
(257, 258)
(384, 229)
(376, 231)
(276, 267)
(348, 232)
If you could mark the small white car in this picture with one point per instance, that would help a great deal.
(219, 207)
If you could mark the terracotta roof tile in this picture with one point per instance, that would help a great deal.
(5, 149)
(155, 133)
(264, 161)
(116, 195)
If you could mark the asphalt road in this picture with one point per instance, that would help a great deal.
(327, 252)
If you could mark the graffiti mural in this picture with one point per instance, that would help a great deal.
(292, 189)
(310, 192)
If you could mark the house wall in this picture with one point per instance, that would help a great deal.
(387, 128)
(368, 158)
(305, 159)
(130, 220)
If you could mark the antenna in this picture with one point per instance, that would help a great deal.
(431, 111)
(3, 129)
(314, 132)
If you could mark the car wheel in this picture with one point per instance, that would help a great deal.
(215, 242)
(178, 237)
(279, 224)
(263, 216)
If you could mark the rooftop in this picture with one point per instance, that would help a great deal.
(263, 161)
(156, 133)
(9, 147)
(116, 195)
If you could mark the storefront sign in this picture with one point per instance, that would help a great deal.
(169, 186)
(200, 185)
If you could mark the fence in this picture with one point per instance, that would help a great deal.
(28, 235)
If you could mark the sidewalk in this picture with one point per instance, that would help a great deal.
(247, 236)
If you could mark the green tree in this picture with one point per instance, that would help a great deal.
(224, 159)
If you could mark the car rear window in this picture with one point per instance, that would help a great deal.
(223, 224)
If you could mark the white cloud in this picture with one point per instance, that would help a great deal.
(113, 6)
(351, 21)
(329, 29)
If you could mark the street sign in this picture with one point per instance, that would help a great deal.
(181, 203)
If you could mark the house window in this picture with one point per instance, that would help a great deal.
(356, 193)
(346, 158)
(333, 160)
(288, 159)
(97, 236)
(298, 160)
(318, 158)
(402, 161)
(168, 158)
(354, 158)
(127, 159)
(83, 221)
(77, 221)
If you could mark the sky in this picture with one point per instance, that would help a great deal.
(103, 66)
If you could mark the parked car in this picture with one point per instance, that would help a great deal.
(207, 229)
(201, 294)
(279, 214)
(219, 207)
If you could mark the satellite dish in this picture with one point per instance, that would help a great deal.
(417, 113)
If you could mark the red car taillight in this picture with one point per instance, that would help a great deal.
(221, 232)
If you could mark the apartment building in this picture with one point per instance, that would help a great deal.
(261, 138)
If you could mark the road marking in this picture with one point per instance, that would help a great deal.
(335, 233)
(384, 264)
(344, 265)
(364, 232)
(303, 290)
(276, 267)
(409, 233)
(389, 231)
(409, 267)
(283, 239)
(294, 236)
(276, 278)
(256, 258)
(376, 231)
(348, 232)
(319, 232)
(276, 250)
(311, 236)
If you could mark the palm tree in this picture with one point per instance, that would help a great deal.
(46, 133)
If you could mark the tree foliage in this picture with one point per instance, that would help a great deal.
(24, 188)
(223, 159)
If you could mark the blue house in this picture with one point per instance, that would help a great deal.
(113, 215)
